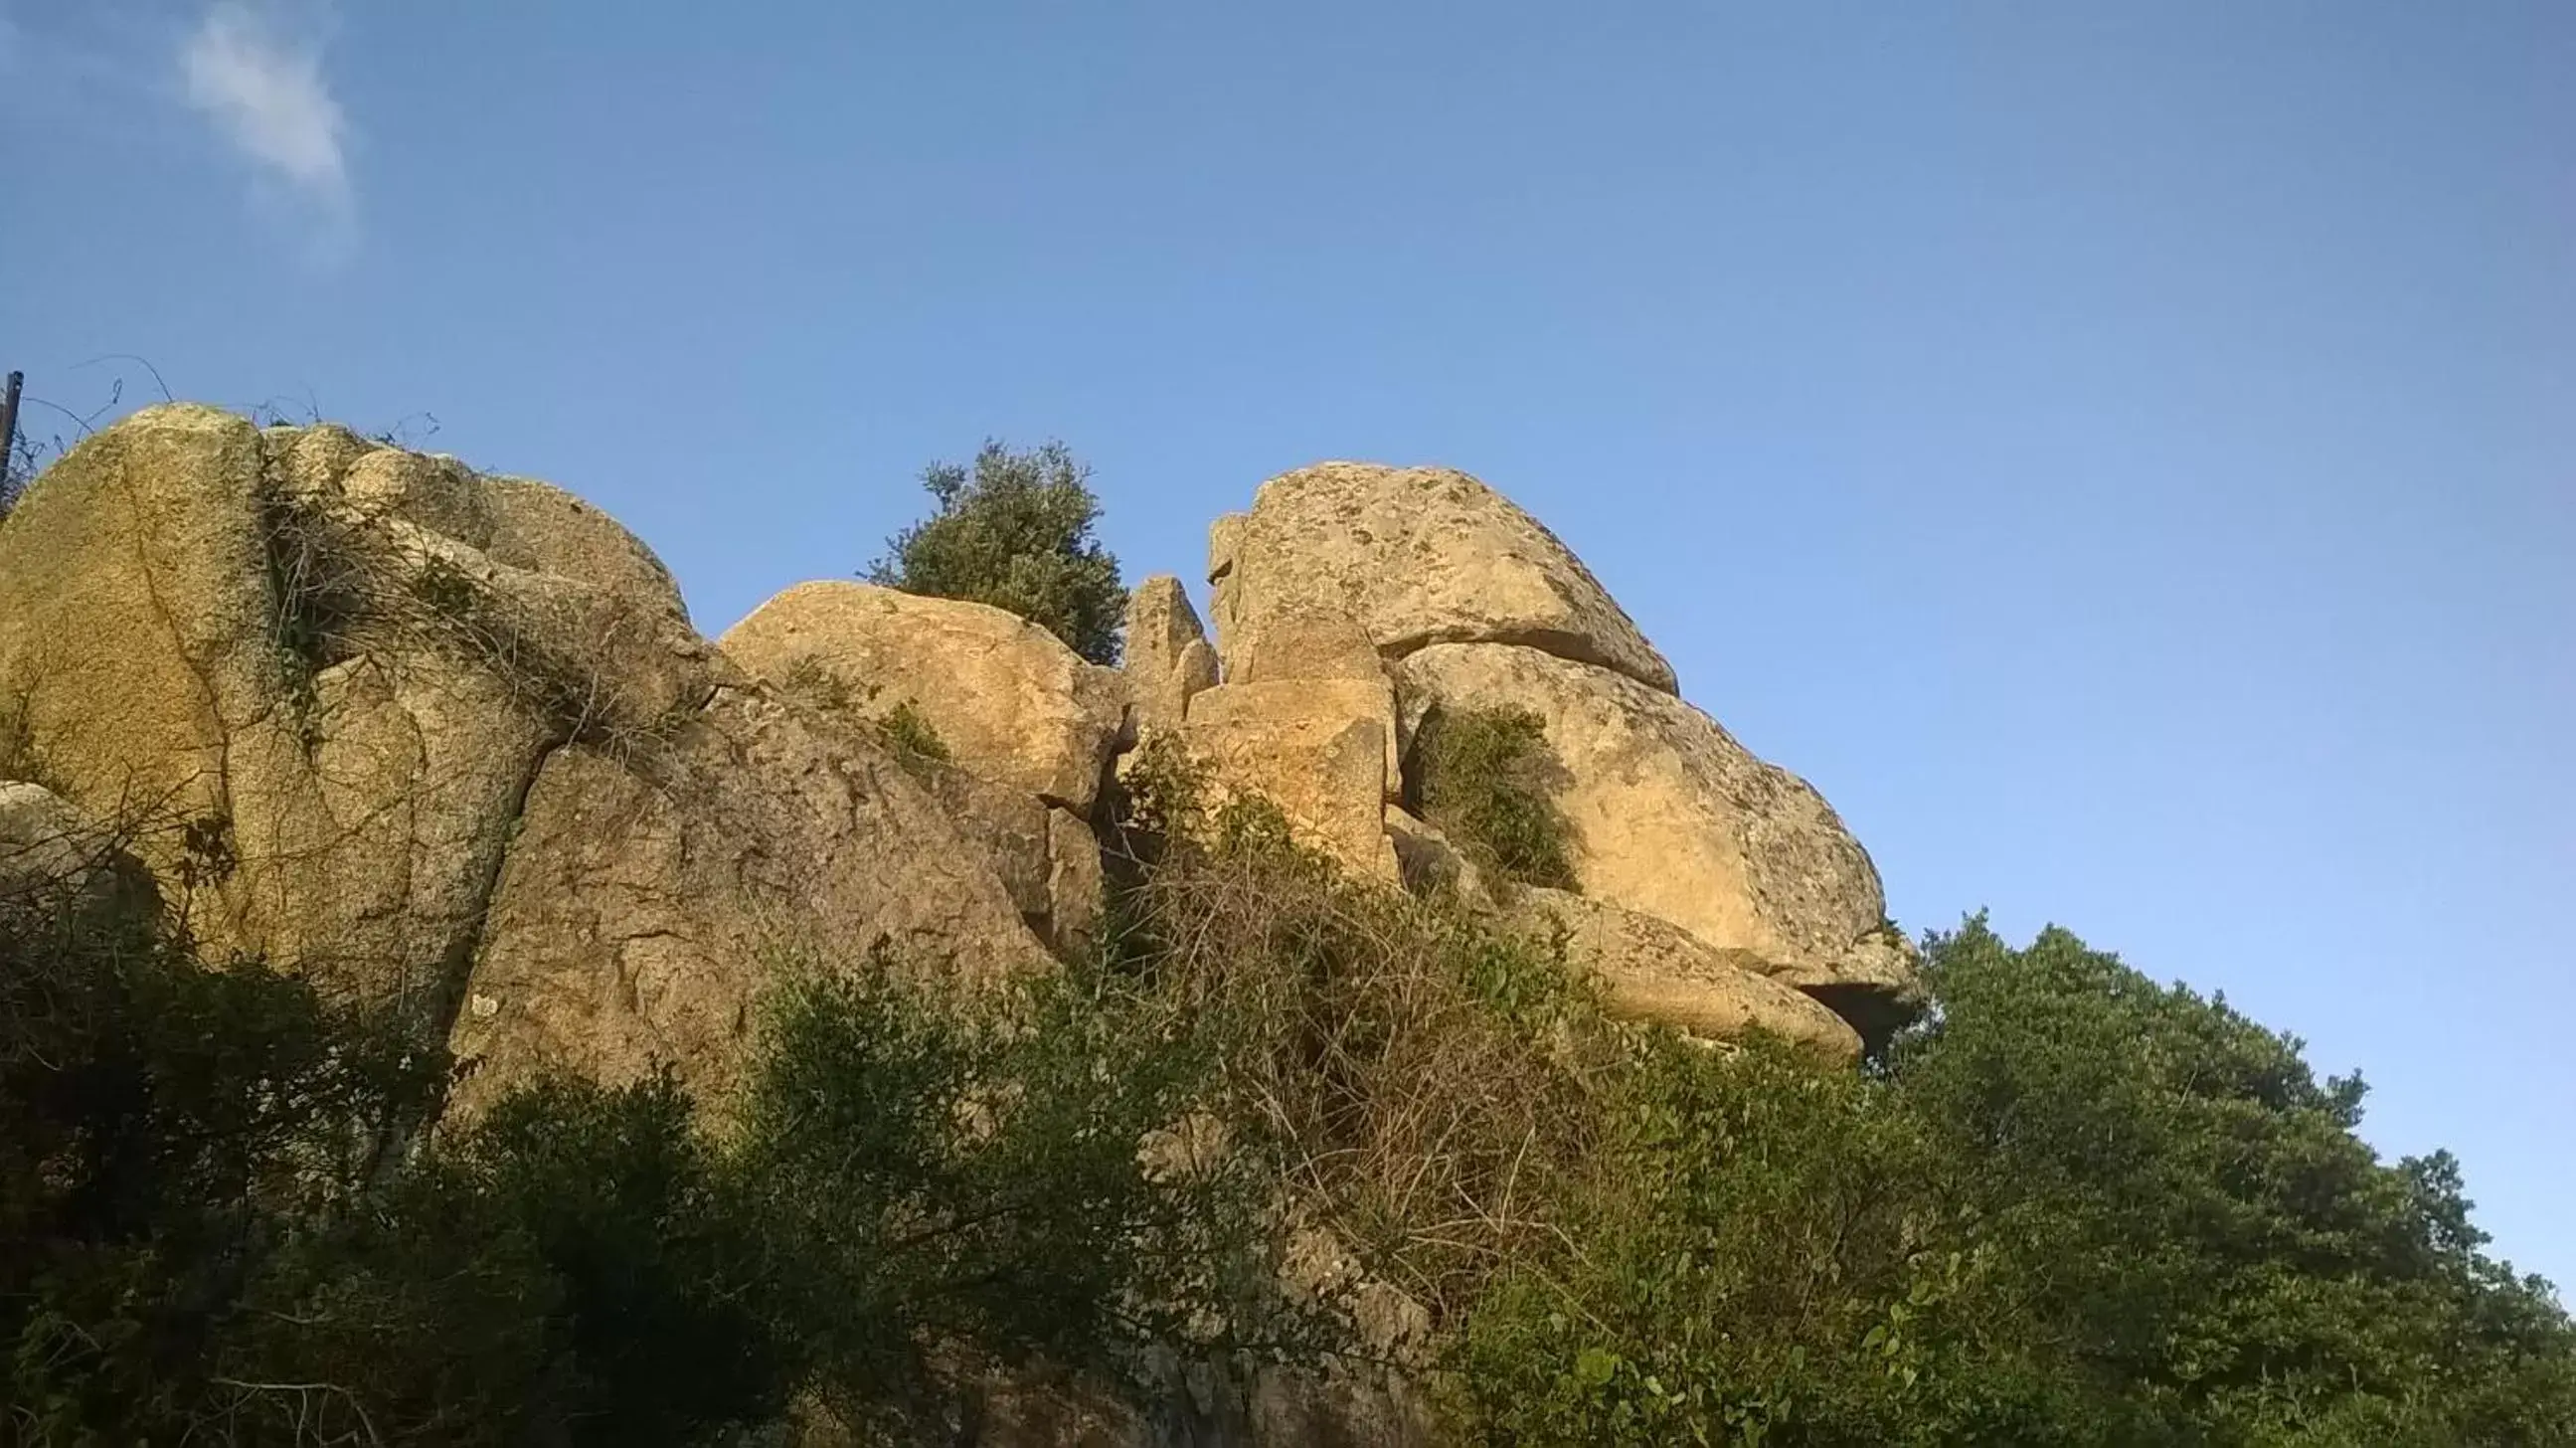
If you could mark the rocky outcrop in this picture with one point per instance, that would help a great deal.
(48, 852)
(334, 666)
(1022, 729)
(1167, 658)
(1672, 818)
(1315, 748)
(428, 736)
(641, 912)
(1418, 556)
(1007, 698)
(1654, 970)
(1341, 570)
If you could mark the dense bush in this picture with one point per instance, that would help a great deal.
(2073, 1206)
(1015, 532)
(2076, 1207)
(1417, 1077)
(216, 1222)
(197, 1233)
(1487, 778)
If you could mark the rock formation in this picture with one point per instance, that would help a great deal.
(1675, 820)
(1025, 726)
(448, 742)
(1168, 658)
(1471, 604)
(1419, 556)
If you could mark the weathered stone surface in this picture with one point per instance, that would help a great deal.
(1418, 556)
(1654, 970)
(44, 843)
(1316, 748)
(1074, 901)
(1428, 859)
(1672, 818)
(642, 911)
(1013, 827)
(334, 666)
(1168, 657)
(1009, 700)
(1320, 642)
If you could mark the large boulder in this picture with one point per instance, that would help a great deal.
(321, 673)
(1671, 818)
(1167, 655)
(1007, 698)
(448, 743)
(1306, 720)
(1654, 970)
(47, 851)
(1418, 556)
(642, 911)
(1317, 749)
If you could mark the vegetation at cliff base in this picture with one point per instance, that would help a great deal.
(215, 1227)
(1014, 530)
(2073, 1206)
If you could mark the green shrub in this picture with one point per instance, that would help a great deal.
(1015, 532)
(1418, 1079)
(909, 731)
(183, 1153)
(203, 1233)
(1487, 778)
(943, 1177)
(2077, 1208)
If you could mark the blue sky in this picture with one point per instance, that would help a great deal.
(2124, 455)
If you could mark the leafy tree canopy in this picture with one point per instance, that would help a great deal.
(2074, 1207)
(1015, 532)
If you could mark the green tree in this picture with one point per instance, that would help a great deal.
(208, 1233)
(1015, 532)
(2075, 1207)
(198, 1235)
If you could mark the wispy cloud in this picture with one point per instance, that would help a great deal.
(266, 96)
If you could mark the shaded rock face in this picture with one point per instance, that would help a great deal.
(50, 854)
(1417, 556)
(1008, 699)
(360, 710)
(1672, 819)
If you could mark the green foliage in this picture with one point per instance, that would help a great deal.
(941, 1177)
(2078, 1207)
(2072, 1207)
(1487, 778)
(1418, 1079)
(909, 731)
(205, 1229)
(659, 1267)
(180, 1247)
(1015, 533)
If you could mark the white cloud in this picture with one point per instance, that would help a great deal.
(266, 96)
